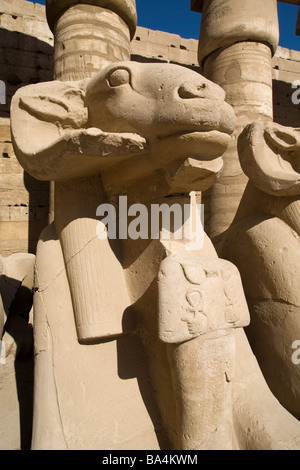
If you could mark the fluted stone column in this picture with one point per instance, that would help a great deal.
(236, 44)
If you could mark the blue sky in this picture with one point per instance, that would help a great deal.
(175, 17)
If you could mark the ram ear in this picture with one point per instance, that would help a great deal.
(55, 102)
(282, 138)
(40, 113)
(47, 108)
(269, 155)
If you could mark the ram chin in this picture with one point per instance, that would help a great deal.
(201, 145)
(206, 176)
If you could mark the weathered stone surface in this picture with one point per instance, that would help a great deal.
(201, 300)
(264, 240)
(225, 23)
(236, 41)
(215, 363)
(197, 124)
(141, 130)
(80, 53)
(126, 9)
(78, 153)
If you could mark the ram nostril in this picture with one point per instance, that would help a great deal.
(187, 91)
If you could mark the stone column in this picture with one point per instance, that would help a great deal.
(89, 34)
(237, 41)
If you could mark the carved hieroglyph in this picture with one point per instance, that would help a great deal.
(147, 131)
(263, 242)
(201, 301)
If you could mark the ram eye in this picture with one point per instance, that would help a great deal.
(119, 77)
